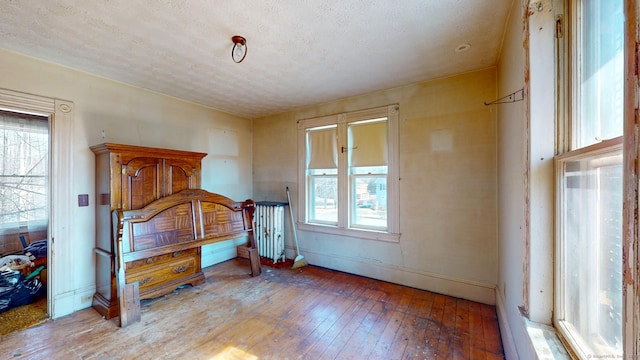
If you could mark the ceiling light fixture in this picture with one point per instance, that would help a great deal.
(239, 51)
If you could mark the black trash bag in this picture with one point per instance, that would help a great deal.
(8, 283)
(16, 290)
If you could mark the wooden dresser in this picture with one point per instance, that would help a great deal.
(131, 177)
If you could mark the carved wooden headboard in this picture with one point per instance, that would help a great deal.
(159, 246)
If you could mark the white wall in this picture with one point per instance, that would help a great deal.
(448, 199)
(512, 173)
(133, 116)
(525, 181)
(542, 127)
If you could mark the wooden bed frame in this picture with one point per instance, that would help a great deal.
(158, 247)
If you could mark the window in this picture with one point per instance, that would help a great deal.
(24, 149)
(588, 309)
(349, 178)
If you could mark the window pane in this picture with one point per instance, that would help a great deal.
(592, 252)
(370, 200)
(601, 71)
(323, 199)
(24, 147)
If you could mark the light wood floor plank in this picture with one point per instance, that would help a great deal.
(416, 344)
(445, 345)
(462, 342)
(384, 346)
(307, 313)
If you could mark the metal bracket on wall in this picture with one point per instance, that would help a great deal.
(513, 97)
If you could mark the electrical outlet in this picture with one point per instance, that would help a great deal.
(86, 298)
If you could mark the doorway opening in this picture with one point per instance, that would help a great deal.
(24, 219)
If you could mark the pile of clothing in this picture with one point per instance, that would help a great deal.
(37, 249)
(19, 278)
(16, 262)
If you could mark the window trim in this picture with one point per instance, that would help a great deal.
(392, 234)
(631, 173)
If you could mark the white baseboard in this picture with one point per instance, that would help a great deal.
(508, 344)
(69, 302)
(216, 253)
(460, 288)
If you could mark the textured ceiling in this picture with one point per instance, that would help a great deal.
(299, 52)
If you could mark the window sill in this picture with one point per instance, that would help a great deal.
(361, 234)
(22, 227)
(545, 341)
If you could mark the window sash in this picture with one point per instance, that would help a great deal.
(368, 210)
(589, 293)
(588, 316)
(597, 72)
(323, 206)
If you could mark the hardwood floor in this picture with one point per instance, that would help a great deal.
(308, 313)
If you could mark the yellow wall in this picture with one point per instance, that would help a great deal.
(447, 198)
(134, 116)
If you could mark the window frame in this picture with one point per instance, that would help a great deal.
(342, 228)
(568, 133)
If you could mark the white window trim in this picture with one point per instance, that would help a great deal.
(60, 254)
(393, 192)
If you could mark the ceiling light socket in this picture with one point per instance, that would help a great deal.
(237, 39)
